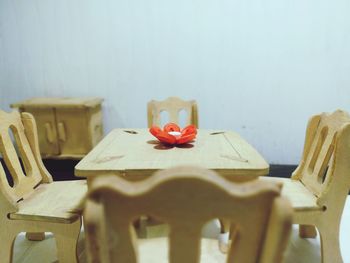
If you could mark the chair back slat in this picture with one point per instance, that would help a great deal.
(316, 169)
(10, 156)
(26, 176)
(185, 198)
(173, 106)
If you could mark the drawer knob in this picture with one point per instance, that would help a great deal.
(49, 132)
(61, 132)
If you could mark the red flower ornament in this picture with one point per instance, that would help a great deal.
(172, 134)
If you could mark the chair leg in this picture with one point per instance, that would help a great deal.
(6, 247)
(224, 225)
(330, 248)
(141, 226)
(66, 242)
(307, 231)
(35, 236)
(226, 232)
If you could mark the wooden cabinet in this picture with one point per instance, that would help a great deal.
(67, 127)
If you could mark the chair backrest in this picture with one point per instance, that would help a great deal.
(20, 152)
(186, 198)
(325, 165)
(173, 106)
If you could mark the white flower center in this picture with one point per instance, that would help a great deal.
(175, 133)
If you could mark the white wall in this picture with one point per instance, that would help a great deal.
(260, 68)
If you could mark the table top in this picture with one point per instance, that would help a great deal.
(135, 154)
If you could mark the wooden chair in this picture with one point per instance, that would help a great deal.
(186, 198)
(173, 106)
(319, 186)
(34, 203)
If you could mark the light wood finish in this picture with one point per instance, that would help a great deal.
(34, 203)
(134, 154)
(320, 184)
(173, 105)
(67, 127)
(63, 102)
(186, 198)
(299, 250)
(42, 205)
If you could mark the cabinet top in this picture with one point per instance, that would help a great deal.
(62, 102)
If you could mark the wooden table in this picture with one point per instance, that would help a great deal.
(135, 154)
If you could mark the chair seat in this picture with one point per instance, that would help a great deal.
(297, 193)
(54, 202)
(155, 250)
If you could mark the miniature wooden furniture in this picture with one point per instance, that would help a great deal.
(33, 202)
(319, 186)
(173, 105)
(134, 154)
(67, 127)
(186, 198)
